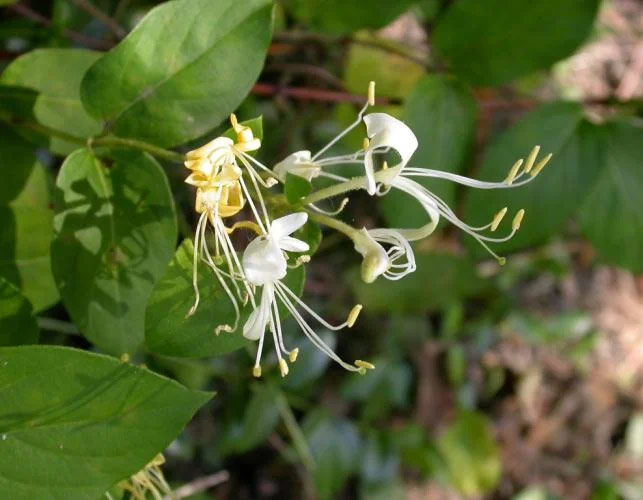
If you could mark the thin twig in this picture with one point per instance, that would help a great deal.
(25, 11)
(199, 485)
(310, 94)
(296, 434)
(95, 12)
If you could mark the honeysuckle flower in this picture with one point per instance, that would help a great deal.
(148, 480)
(265, 265)
(394, 263)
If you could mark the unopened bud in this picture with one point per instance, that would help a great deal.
(497, 219)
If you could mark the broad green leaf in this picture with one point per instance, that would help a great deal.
(470, 454)
(311, 233)
(296, 188)
(439, 280)
(489, 42)
(335, 445)
(612, 214)
(56, 73)
(342, 17)
(394, 75)
(73, 423)
(184, 68)
(115, 231)
(558, 190)
(169, 332)
(25, 222)
(441, 111)
(17, 325)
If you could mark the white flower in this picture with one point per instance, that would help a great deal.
(394, 263)
(385, 132)
(264, 263)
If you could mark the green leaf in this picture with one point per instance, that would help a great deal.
(470, 455)
(25, 222)
(73, 423)
(489, 42)
(342, 17)
(439, 280)
(7, 2)
(296, 188)
(169, 332)
(335, 445)
(17, 325)
(56, 73)
(311, 233)
(441, 111)
(184, 68)
(611, 215)
(558, 190)
(115, 231)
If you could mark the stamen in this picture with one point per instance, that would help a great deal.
(339, 210)
(293, 354)
(540, 165)
(371, 94)
(497, 219)
(283, 367)
(256, 371)
(222, 328)
(515, 225)
(513, 172)
(531, 158)
(353, 315)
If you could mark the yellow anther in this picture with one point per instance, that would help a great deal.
(293, 355)
(366, 143)
(364, 364)
(531, 159)
(124, 358)
(371, 93)
(540, 165)
(222, 328)
(256, 371)
(303, 259)
(384, 165)
(271, 181)
(515, 225)
(502, 261)
(283, 367)
(513, 172)
(497, 219)
(353, 315)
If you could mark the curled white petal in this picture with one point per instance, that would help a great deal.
(290, 244)
(256, 324)
(385, 131)
(375, 260)
(400, 254)
(287, 225)
(298, 163)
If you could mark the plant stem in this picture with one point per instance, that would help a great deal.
(111, 141)
(297, 435)
(335, 190)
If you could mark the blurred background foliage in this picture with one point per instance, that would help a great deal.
(516, 382)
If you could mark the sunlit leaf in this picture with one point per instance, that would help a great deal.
(489, 42)
(115, 231)
(181, 71)
(74, 423)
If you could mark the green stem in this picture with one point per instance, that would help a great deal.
(121, 142)
(328, 221)
(296, 434)
(335, 190)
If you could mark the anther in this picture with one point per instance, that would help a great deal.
(497, 219)
(531, 158)
(364, 364)
(353, 315)
(513, 172)
(124, 358)
(515, 225)
(271, 181)
(293, 354)
(501, 260)
(366, 143)
(540, 165)
(371, 93)
(256, 371)
(283, 367)
(222, 328)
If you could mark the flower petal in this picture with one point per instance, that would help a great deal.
(385, 131)
(256, 324)
(298, 163)
(263, 262)
(287, 225)
(290, 244)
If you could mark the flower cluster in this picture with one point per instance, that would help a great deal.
(228, 179)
